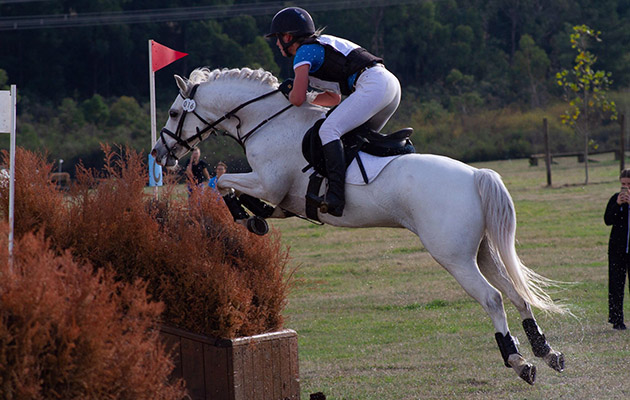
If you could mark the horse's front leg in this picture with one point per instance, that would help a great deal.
(237, 193)
(248, 183)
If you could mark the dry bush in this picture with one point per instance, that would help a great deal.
(37, 202)
(233, 278)
(67, 332)
(214, 277)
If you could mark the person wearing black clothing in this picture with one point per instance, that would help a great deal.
(617, 215)
(197, 169)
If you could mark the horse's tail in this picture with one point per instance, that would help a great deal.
(500, 216)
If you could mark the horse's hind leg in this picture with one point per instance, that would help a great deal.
(540, 347)
(473, 282)
(492, 268)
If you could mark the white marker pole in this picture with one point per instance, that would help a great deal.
(12, 175)
(8, 106)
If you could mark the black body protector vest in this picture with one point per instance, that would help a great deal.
(338, 67)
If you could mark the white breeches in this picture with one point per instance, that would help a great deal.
(374, 101)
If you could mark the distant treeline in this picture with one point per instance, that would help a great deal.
(468, 67)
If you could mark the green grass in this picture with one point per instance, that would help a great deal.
(378, 319)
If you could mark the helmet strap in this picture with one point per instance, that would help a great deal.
(286, 46)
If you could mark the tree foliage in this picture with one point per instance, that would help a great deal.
(585, 88)
(467, 55)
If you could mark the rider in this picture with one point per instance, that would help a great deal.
(336, 67)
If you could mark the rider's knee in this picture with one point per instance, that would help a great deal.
(329, 134)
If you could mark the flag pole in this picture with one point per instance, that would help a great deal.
(153, 112)
(159, 57)
(152, 94)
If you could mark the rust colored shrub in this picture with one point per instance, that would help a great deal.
(234, 279)
(39, 204)
(67, 332)
(213, 276)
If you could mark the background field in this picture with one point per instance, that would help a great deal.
(378, 318)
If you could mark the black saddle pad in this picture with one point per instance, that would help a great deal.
(359, 139)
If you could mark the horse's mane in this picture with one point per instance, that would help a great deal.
(234, 75)
(204, 74)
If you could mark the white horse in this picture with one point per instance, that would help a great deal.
(464, 216)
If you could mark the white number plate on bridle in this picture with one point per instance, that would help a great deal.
(189, 105)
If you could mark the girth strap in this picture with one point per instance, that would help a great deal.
(314, 183)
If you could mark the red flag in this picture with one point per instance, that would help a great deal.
(161, 56)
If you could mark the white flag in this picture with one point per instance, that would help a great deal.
(6, 111)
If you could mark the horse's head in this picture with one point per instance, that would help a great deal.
(176, 137)
(197, 112)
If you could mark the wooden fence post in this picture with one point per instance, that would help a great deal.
(622, 142)
(547, 151)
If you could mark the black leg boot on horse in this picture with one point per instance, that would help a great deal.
(334, 201)
(513, 359)
(254, 224)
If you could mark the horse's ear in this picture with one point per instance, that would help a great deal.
(181, 83)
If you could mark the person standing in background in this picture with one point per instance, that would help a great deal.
(196, 170)
(618, 249)
(219, 169)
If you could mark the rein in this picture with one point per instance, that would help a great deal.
(189, 105)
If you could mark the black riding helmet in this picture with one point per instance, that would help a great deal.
(292, 20)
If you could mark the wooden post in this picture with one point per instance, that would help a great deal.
(547, 151)
(622, 142)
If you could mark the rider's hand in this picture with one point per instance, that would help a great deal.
(286, 87)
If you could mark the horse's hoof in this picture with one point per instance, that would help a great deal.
(525, 370)
(528, 373)
(555, 360)
(257, 225)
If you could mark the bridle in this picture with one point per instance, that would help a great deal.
(189, 105)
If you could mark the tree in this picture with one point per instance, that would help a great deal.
(531, 62)
(464, 99)
(95, 110)
(585, 89)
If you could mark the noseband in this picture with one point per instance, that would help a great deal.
(189, 106)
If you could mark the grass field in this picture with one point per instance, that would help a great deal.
(379, 319)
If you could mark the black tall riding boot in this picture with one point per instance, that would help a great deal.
(334, 200)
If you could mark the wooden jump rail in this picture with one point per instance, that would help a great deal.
(533, 158)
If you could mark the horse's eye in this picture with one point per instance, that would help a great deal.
(173, 113)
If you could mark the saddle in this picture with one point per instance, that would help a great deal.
(362, 139)
(359, 139)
